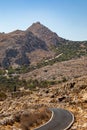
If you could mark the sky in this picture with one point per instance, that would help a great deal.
(68, 18)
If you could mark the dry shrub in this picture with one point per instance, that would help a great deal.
(3, 96)
(29, 119)
(17, 116)
(26, 120)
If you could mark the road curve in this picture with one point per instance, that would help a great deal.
(61, 120)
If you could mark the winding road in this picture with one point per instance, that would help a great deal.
(61, 120)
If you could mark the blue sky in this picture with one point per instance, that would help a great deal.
(68, 18)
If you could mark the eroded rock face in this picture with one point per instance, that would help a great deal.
(23, 60)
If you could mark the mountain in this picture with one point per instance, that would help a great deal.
(36, 44)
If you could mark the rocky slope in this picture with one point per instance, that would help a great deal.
(71, 95)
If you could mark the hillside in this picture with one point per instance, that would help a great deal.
(66, 70)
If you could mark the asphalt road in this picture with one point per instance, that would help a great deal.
(61, 120)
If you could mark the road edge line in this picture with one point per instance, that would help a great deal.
(71, 122)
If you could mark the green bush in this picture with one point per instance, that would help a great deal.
(2, 72)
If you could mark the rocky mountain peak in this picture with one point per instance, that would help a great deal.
(36, 26)
(44, 33)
